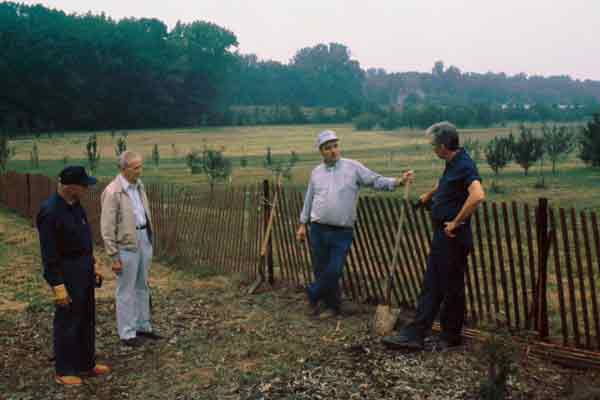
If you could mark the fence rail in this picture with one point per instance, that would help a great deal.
(532, 268)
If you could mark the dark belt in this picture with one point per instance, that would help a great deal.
(139, 228)
(334, 227)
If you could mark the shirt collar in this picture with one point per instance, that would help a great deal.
(126, 184)
(459, 155)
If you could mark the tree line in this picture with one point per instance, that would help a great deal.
(63, 71)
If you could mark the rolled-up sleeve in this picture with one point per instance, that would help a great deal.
(366, 177)
(47, 228)
(308, 200)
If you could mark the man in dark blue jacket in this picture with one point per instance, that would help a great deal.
(453, 200)
(68, 260)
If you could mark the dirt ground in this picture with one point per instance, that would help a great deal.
(221, 343)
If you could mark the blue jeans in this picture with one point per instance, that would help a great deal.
(330, 246)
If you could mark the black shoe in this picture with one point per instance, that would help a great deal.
(133, 342)
(403, 342)
(448, 343)
(314, 308)
(149, 335)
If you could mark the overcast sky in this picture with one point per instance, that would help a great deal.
(538, 37)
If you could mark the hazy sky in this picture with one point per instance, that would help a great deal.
(540, 37)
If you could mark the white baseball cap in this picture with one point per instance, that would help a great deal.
(326, 136)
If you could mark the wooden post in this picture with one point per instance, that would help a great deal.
(267, 271)
(543, 240)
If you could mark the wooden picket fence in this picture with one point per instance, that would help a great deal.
(534, 269)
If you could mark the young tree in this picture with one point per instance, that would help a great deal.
(528, 149)
(121, 146)
(216, 167)
(282, 166)
(192, 160)
(559, 141)
(590, 142)
(155, 155)
(92, 153)
(34, 156)
(498, 153)
(268, 158)
(6, 151)
(473, 147)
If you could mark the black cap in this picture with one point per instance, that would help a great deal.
(76, 175)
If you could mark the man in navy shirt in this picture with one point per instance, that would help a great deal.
(68, 259)
(453, 200)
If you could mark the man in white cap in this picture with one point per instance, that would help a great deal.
(330, 209)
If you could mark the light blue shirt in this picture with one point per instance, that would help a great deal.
(133, 191)
(333, 192)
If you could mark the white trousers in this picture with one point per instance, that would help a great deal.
(132, 294)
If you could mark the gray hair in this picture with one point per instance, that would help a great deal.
(444, 133)
(128, 156)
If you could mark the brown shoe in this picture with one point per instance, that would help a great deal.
(68, 380)
(328, 313)
(99, 369)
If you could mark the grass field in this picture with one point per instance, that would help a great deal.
(388, 152)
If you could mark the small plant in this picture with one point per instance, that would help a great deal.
(281, 167)
(34, 156)
(498, 153)
(474, 148)
(589, 142)
(500, 355)
(92, 153)
(244, 158)
(6, 151)
(528, 149)
(216, 167)
(155, 156)
(121, 146)
(192, 160)
(559, 141)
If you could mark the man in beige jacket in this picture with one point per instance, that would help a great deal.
(126, 228)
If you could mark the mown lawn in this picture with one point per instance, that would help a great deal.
(386, 152)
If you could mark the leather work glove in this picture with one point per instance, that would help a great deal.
(61, 296)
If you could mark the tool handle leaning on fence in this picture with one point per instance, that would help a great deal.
(265, 242)
(397, 239)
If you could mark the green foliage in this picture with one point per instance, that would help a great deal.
(216, 166)
(590, 142)
(365, 122)
(268, 158)
(34, 157)
(92, 153)
(121, 145)
(528, 149)
(498, 152)
(155, 156)
(499, 353)
(559, 142)
(6, 151)
(193, 161)
(281, 166)
(474, 148)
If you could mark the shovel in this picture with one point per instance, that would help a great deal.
(385, 318)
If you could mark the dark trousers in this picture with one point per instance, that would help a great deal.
(330, 246)
(74, 325)
(443, 286)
